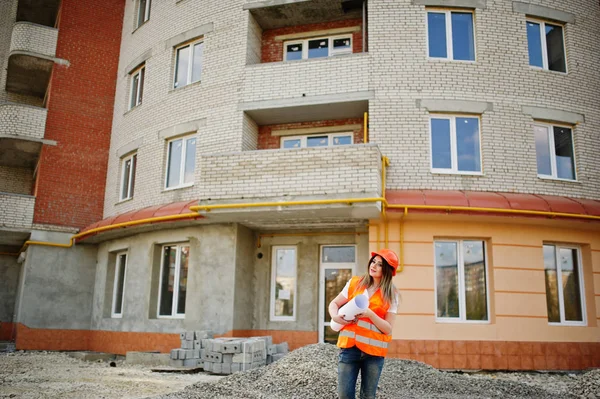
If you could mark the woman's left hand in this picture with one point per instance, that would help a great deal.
(364, 315)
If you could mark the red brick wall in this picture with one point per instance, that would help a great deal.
(272, 50)
(266, 141)
(72, 175)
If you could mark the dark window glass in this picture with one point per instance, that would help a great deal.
(440, 144)
(542, 151)
(551, 284)
(555, 47)
(168, 281)
(122, 260)
(475, 280)
(467, 144)
(446, 262)
(463, 41)
(318, 48)
(436, 25)
(534, 44)
(565, 161)
(293, 52)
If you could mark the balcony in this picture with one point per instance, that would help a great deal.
(31, 58)
(16, 218)
(307, 174)
(22, 121)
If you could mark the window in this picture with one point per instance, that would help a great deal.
(564, 285)
(450, 35)
(455, 145)
(128, 177)
(119, 284)
(137, 87)
(546, 46)
(173, 280)
(321, 140)
(554, 151)
(317, 47)
(461, 281)
(188, 65)
(143, 12)
(283, 284)
(181, 161)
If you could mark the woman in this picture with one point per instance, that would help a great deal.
(364, 340)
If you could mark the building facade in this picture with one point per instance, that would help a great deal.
(259, 150)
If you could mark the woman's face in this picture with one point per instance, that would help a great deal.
(376, 267)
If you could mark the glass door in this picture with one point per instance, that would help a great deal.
(337, 266)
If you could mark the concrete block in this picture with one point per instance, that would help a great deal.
(282, 347)
(203, 334)
(242, 358)
(176, 363)
(231, 347)
(189, 335)
(196, 353)
(226, 368)
(227, 357)
(217, 368)
(267, 338)
(174, 354)
(206, 344)
(182, 336)
(190, 363)
(215, 357)
(197, 344)
(278, 356)
(235, 367)
(189, 354)
(207, 366)
(150, 358)
(269, 359)
(271, 349)
(187, 344)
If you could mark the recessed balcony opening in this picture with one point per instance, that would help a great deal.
(28, 75)
(18, 160)
(300, 30)
(41, 12)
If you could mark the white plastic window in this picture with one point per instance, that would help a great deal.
(283, 283)
(173, 280)
(119, 285)
(181, 162)
(555, 152)
(129, 165)
(317, 140)
(188, 63)
(317, 47)
(143, 12)
(137, 87)
(455, 144)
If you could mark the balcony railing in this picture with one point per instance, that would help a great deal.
(308, 174)
(34, 39)
(21, 120)
(16, 210)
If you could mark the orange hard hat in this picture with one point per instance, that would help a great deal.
(390, 257)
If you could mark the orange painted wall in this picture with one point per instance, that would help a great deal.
(515, 276)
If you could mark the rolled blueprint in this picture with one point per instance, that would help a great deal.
(357, 305)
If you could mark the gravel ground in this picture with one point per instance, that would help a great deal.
(309, 372)
(36, 375)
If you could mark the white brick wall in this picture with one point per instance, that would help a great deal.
(296, 172)
(16, 211)
(396, 68)
(34, 38)
(22, 120)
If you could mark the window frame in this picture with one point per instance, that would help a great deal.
(461, 283)
(118, 255)
(135, 99)
(174, 305)
(142, 19)
(182, 183)
(304, 139)
(131, 176)
(561, 304)
(272, 316)
(449, 43)
(553, 168)
(453, 145)
(191, 44)
(544, 44)
(330, 50)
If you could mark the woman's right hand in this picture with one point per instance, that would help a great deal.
(340, 320)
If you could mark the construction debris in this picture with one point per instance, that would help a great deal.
(225, 355)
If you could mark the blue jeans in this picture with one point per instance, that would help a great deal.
(351, 361)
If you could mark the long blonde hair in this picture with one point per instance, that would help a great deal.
(388, 289)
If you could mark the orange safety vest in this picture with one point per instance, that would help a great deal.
(364, 334)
